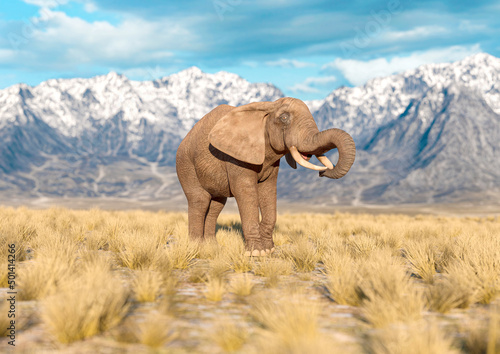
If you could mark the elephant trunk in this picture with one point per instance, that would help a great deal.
(321, 142)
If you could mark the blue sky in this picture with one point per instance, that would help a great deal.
(306, 48)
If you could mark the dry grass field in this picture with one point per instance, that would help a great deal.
(131, 281)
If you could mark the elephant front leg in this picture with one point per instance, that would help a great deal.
(246, 196)
(267, 205)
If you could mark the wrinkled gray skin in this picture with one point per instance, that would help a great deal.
(235, 152)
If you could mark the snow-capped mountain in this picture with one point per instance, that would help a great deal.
(107, 135)
(361, 110)
(173, 103)
(444, 147)
(431, 134)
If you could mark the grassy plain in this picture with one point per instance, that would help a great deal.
(132, 281)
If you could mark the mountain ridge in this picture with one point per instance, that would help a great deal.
(115, 137)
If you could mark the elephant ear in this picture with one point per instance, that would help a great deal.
(241, 132)
(289, 159)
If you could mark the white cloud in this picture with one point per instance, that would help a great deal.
(301, 87)
(358, 72)
(46, 3)
(320, 81)
(310, 84)
(289, 63)
(90, 7)
(58, 40)
(468, 26)
(413, 34)
(6, 54)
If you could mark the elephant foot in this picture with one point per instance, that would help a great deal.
(256, 253)
(255, 249)
(259, 253)
(268, 245)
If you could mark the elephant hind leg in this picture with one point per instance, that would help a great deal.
(198, 198)
(216, 206)
(198, 204)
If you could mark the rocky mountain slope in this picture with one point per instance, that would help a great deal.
(108, 135)
(361, 110)
(427, 135)
(443, 148)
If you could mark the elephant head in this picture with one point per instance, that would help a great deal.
(288, 128)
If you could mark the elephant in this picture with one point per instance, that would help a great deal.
(236, 152)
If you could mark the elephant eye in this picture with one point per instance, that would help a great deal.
(285, 117)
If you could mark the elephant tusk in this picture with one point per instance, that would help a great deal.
(300, 160)
(325, 161)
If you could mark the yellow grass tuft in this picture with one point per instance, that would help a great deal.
(380, 311)
(417, 338)
(218, 268)
(198, 272)
(203, 269)
(209, 250)
(147, 285)
(182, 252)
(458, 288)
(88, 304)
(291, 320)
(239, 262)
(343, 276)
(169, 287)
(336, 259)
(139, 252)
(344, 288)
(482, 335)
(229, 238)
(242, 285)
(280, 238)
(54, 262)
(362, 245)
(233, 251)
(156, 330)
(215, 288)
(228, 335)
(422, 262)
(19, 232)
(273, 269)
(168, 301)
(4, 319)
(482, 256)
(4, 273)
(391, 238)
(387, 294)
(324, 240)
(303, 254)
(95, 240)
